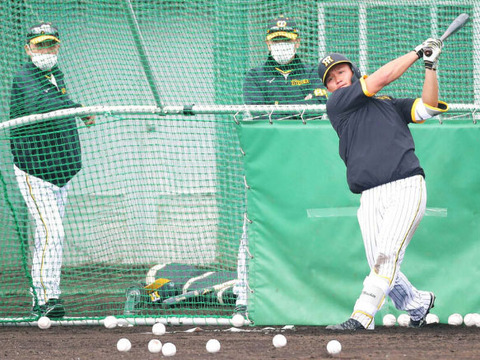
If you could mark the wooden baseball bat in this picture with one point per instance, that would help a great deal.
(456, 25)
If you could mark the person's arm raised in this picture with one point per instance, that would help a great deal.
(390, 72)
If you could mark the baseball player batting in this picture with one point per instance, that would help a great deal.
(379, 153)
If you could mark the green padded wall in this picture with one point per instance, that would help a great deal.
(308, 260)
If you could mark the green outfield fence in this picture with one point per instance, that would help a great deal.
(161, 194)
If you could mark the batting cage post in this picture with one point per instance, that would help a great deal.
(321, 33)
(137, 35)
(362, 38)
(476, 59)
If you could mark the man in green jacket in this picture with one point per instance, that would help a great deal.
(282, 80)
(46, 155)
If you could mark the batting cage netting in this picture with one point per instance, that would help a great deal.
(126, 215)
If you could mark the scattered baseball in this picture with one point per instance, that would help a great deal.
(432, 319)
(169, 349)
(44, 322)
(403, 320)
(124, 344)
(334, 347)
(110, 322)
(279, 341)
(158, 329)
(238, 320)
(213, 346)
(469, 320)
(154, 346)
(455, 319)
(477, 319)
(389, 320)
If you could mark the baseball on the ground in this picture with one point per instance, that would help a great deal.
(158, 329)
(169, 349)
(213, 346)
(403, 320)
(477, 319)
(238, 320)
(432, 319)
(455, 319)
(334, 347)
(124, 344)
(44, 322)
(389, 320)
(279, 341)
(110, 322)
(154, 346)
(469, 320)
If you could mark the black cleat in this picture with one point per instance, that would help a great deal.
(423, 320)
(349, 325)
(53, 309)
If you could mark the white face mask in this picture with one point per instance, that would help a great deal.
(44, 61)
(283, 52)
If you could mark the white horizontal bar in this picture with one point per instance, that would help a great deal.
(396, 3)
(352, 211)
(175, 110)
(125, 322)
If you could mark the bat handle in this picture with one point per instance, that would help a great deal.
(427, 51)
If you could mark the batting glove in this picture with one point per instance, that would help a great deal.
(431, 53)
(419, 49)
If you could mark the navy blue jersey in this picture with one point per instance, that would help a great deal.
(375, 141)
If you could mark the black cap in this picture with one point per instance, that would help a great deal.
(41, 32)
(333, 59)
(282, 27)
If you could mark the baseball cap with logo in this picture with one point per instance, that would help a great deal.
(282, 28)
(41, 32)
(332, 59)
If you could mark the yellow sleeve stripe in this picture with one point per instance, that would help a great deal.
(364, 87)
(412, 112)
(431, 110)
(441, 107)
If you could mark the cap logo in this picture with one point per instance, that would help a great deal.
(44, 28)
(327, 60)
(281, 23)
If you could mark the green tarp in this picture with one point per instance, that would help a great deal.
(308, 260)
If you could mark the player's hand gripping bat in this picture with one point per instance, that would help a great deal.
(456, 25)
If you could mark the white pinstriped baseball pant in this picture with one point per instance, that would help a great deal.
(388, 216)
(46, 204)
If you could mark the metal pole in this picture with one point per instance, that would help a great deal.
(137, 35)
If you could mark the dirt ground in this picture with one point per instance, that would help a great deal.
(436, 341)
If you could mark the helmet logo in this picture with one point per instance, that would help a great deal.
(327, 60)
(281, 23)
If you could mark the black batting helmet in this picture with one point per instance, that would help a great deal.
(333, 59)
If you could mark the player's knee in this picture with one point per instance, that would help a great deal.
(382, 261)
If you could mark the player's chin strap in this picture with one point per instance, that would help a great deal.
(356, 73)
